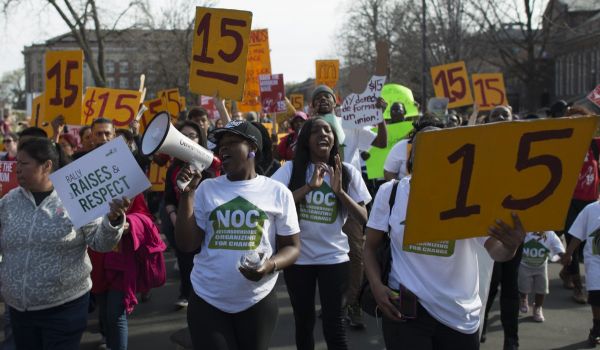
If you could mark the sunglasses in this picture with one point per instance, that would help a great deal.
(7, 141)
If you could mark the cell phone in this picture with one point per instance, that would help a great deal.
(406, 303)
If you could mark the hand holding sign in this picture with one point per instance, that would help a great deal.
(361, 110)
(118, 208)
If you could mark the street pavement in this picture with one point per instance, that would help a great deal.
(152, 323)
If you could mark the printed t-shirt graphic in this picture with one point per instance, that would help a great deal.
(321, 205)
(237, 225)
(441, 248)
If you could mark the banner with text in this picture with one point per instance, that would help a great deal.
(272, 93)
(8, 176)
(360, 110)
(259, 62)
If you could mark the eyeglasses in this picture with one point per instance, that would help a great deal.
(191, 136)
(7, 141)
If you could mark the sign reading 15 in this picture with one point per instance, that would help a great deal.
(524, 161)
(451, 81)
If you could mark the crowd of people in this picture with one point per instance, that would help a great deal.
(301, 205)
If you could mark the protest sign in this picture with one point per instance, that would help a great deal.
(259, 62)
(272, 93)
(8, 176)
(327, 72)
(451, 81)
(397, 93)
(38, 117)
(171, 99)
(121, 106)
(297, 101)
(153, 107)
(377, 156)
(594, 96)
(361, 110)
(88, 185)
(157, 176)
(64, 85)
(219, 52)
(489, 90)
(466, 178)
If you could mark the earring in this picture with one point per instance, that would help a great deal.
(251, 154)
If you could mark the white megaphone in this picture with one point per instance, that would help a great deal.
(161, 136)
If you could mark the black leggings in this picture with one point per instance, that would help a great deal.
(425, 333)
(506, 275)
(301, 281)
(211, 328)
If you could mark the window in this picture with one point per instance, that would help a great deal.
(123, 83)
(109, 67)
(123, 67)
(137, 67)
(110, 82)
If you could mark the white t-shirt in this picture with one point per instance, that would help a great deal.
(321, 217)
(586, 227)
(357, 140)
(537, 249)
(237, 217)
(397, 158)
(444, 275)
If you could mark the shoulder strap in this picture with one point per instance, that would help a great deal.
(595, 150)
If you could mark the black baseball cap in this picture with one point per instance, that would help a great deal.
(238, 127)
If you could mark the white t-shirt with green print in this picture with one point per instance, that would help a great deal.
(538, 248)
(237, 217)
(321, 217)
(587, 228)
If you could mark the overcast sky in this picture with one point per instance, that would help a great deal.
(299, 31)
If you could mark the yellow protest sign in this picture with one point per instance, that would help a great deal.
(183, 102)
(328, 72)
(121, 106)
(297, 101)
(153, 107)
(466, 178)
(219, 52)
(157, 176)
(489, 90)
(171, 98)
(259, 63)
(451, 81)
(38, 117)
(64, 85)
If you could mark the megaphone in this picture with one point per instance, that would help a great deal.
(161, 136)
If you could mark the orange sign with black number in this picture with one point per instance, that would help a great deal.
(153, 107)
(171, 98)
(219, 52)
(121, 106)
(259, 63)
(327, 72)
(451, 81)
(489, 90)
(38, 117)
(157, 176)
(297, 101)
(64, 85)
(466, 178)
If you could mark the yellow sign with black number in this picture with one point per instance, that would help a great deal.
(297, 101)
(38, 117)
(219, 52)
(489, 90)
(466, 178)
(451, 81)
(171, 99)
(64, 85)
(328, 72)
(121, 106)
(153, 107)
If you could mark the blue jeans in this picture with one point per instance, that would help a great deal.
(113, 319)
(59, 328)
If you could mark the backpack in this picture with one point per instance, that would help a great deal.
(384, 260)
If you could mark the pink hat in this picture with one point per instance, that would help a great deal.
(301, 115)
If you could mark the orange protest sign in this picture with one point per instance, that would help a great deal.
(8, 176)
(219, 52)
(171, 98)
(297, 101)
(183, 102)
(153, 107)
(489, 90)
(120, 106)
(328, 72)
(157, 175)
(259, 63)
(466, 178)
(64, 85)
(451, 81)
(38, 117)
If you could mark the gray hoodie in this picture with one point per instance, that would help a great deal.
(44, 259)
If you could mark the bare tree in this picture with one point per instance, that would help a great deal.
(12, 88)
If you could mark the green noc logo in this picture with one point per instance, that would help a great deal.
(237, 225)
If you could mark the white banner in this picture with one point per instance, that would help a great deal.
(88, 185)
(359, 111)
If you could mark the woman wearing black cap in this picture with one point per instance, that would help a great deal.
(247, 227)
